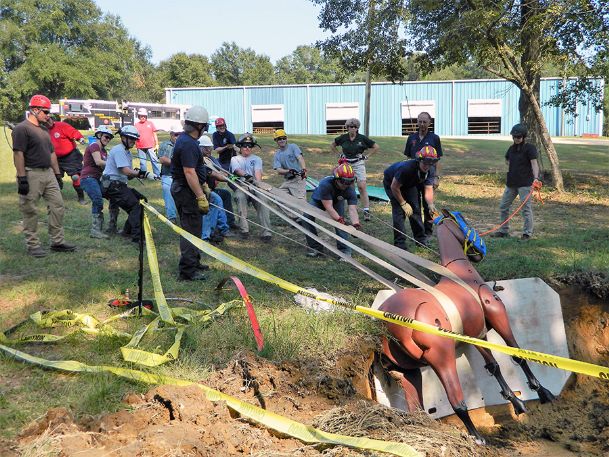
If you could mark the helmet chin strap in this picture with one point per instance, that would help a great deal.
(125, 141)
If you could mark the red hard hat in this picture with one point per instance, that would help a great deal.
(427, 154)
(344, 172)
(220, 121)
(40, 101)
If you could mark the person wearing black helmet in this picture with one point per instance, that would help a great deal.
(523, 172)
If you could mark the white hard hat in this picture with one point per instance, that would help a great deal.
(176, 128)
(142, 112)
(197, 114)
(205, 141)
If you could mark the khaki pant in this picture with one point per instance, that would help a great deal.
(263, 213)
(297, 188)
(42, 184)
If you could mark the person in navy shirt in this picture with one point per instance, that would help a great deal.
(415, 142)
(330, 196)
(224, 143)
(401, 182)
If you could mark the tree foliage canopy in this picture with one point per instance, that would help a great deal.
(235, 66)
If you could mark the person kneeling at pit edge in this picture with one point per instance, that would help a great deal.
(330, 196)
(117, 173)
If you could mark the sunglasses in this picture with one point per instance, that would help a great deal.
(517, 137)
(247, 145)
(46, 111)
(346, 180)
(352, 126)
(283, 138)
(107, 137)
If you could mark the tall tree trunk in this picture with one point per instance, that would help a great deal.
(528, 105)
(367, 103)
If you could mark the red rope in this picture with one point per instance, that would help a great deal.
(531, 192)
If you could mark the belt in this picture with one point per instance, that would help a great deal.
(357, 159)
(37, 168)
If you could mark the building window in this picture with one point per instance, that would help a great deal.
(483, 116)
(337, 114)
(267, 118)
(410, 112)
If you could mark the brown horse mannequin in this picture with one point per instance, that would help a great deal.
(409, 350)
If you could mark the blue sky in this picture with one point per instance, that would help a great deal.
(274, 28)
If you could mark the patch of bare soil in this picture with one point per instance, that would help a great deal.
(331, 395)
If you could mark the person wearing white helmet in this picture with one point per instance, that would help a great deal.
(147, 143)
(190, 191)
(94, 162)
(215, 223)
(117, 172)
(165, 154)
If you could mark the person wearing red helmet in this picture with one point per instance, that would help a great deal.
(330, 196)
(425, 137)
(69, 158)
(38, 176)
(401, 182)
(224, 143)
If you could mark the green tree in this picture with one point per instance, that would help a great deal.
(234, 66)
(183, 70)
(66, 48)
(307, 65)
(514, 40)
(366, 36)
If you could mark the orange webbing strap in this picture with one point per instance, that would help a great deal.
(497, 227)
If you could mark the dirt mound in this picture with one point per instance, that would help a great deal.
(330, 395)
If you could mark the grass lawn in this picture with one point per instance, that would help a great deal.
(571, 235)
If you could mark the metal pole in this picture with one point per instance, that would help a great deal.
(140, 276)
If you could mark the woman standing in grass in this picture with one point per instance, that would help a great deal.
(353, 145)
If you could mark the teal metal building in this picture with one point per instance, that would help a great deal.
(457, 108)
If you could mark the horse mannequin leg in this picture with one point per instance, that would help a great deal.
(442, 358)
(497, 318)
(506, 392)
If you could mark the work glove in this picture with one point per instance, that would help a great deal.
(341, 220)
(407, 209)
(249, 179)
(82, 141)
(203, 204)
(303, 173)
(206, 190)
(59, 180)
(357, 226)
(23, 186)
(141, 174)
(537, 184)
(432, 209)
(291, 174)
(138, 195)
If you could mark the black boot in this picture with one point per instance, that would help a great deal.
(112, 229)
(81, 195)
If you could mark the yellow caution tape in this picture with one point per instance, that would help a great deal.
(269, 419)
(533, 356)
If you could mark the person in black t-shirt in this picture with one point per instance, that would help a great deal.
(523, 172)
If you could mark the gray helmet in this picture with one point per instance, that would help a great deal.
(247, 138)
(519, 130)
(197, 114)
(103, 130)
(129, 131)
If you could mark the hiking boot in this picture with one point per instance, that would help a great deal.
(244, 235)
(228, 234)
(500, 235)
(63, 247)
(195, 277)
(266, 238)
(525, 237)
(37, 251)
(96, 227)
(216, 238)
(313, 253)
(81, 195)
(112, 229)
(202, 267)
(367, 215)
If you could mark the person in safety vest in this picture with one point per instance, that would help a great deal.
(69, 158)
(117, 172)
(190, 190)
(94, 163)
(249, 166)
(38, 176)
(523, 173)
(401, 182)
(330, 196)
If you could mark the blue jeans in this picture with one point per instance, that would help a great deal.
(146, 155)
(93, 189)
(170, 205)
(215, 219)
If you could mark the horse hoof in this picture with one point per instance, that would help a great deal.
(480, 441)
(518, 404)
(545, 396)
